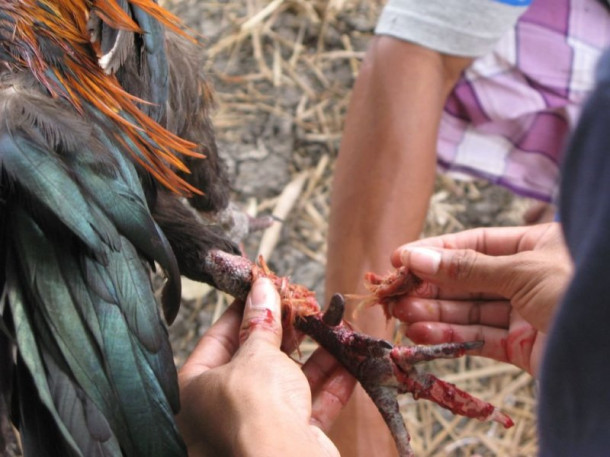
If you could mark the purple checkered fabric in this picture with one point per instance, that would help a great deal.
(508, 117)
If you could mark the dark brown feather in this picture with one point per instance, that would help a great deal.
(188, 236)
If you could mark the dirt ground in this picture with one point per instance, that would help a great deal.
(283, 72)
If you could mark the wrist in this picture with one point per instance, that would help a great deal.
(281, 437)
(261, 438)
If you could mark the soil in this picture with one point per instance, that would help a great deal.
(282, 71)
(273, 129)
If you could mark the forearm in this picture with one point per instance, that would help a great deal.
(386, 166)
(383, 180)
(281, 439)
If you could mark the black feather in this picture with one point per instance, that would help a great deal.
(84, 351)
(77, 219)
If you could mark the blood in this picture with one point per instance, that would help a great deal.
(386, 290)
(448, 334)
(518, 341)
(382, 369)
(268, 319)
(264, 321)
(449, 396)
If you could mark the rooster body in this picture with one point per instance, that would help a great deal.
(103, 127)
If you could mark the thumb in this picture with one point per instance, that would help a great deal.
(262, 320)
(463, 269)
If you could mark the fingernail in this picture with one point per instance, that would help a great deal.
(262, 310)
(260, 295)
(422, 260)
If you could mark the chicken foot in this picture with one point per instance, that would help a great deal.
(383, 370)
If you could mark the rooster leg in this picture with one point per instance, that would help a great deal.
(188, 236)
(368, 360)
(384, 371)
(405, 356)
(334, 313)
(235, 223)
(447, 395)
(385, 400)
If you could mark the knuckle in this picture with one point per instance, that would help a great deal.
(474, 314)
(461, 264)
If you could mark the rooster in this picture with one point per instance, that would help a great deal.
(104, 132)
(104, 126)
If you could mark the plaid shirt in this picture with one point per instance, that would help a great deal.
(508, 117)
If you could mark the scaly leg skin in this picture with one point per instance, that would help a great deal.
(425, 385)
(383, 370)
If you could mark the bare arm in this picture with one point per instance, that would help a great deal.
(383, 181)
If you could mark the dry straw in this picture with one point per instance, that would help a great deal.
(262, 50)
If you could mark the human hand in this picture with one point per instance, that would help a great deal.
(499, 285)
(242, 396)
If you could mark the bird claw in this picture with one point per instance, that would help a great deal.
(385, 371)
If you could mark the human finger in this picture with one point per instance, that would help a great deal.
(470, 271)
(495, 313)
(504, 345)
(493, 241)
(452, 291)
(533, 281)
(262, 318)
(218, 345)
(331, 386)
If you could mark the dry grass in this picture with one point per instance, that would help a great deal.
(293, 63)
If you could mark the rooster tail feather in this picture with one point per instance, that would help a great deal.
(34, 396)
(119, 193)
(155, 70)
(81, 308)
(118, 46)
(45, 179)
(113, 351)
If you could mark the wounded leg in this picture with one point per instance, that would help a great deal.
(447, 395)
(384, 371)
(404, 356)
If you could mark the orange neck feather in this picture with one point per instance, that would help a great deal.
(81, 79)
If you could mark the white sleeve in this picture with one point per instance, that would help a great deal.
(468, 28)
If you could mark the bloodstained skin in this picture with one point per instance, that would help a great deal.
(265, 321)
(386, 290)
(383, 370)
